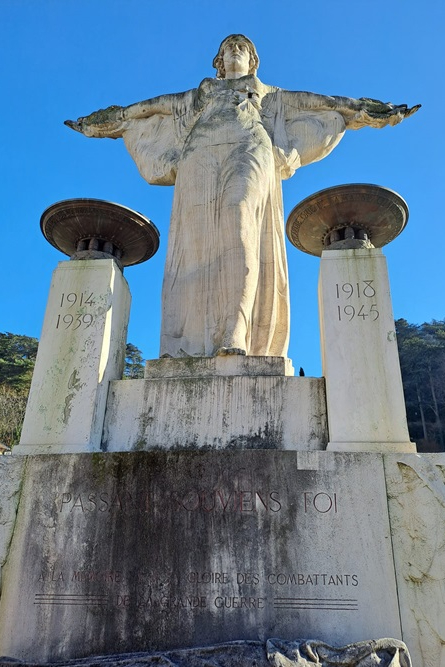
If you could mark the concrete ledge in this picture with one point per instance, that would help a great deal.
(232, 364)
(37, 448)
(373, 447)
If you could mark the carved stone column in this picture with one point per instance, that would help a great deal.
(82, 345)
(347, 225)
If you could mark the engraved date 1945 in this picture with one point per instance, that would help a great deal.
(363, 292)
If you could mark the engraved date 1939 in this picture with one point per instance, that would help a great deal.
(76, 319)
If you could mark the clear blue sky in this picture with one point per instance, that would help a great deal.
(66, 58)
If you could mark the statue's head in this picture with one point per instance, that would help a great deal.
(218, 61)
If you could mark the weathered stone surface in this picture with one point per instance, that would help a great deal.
(231, 654)
(416, 491)
(11, 474)
(233, 412)
(364, 393)
(226, 146)
(137, 551)
(275, 652)
(82, 348)
(160, 550)
(231, 364)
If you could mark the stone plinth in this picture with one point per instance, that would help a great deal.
(364, 393)
(195, 407)
(156, 550)
(231, 364)
(82, 348)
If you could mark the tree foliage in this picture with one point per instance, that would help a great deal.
(134, 363)
(12, 413)
(17, 359)
(422, 361)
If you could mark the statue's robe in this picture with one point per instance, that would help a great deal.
(226, 146)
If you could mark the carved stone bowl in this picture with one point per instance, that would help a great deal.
(357, 215)
(97, 229)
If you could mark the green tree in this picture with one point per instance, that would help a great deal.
(12, 413)
(422, 361)
(17, 359)
(134, 363)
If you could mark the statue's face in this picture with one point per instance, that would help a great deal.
(236, 57)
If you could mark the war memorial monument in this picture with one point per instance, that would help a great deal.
(222, 511)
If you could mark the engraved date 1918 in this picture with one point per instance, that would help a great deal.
(364, 292)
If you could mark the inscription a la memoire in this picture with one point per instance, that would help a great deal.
(198, 590)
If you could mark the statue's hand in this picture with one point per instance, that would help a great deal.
(102, 123)
(74, 124)
(394, 113)
(373, 113)
(412, 110)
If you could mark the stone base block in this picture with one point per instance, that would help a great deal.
(232, 364)
(216, 412)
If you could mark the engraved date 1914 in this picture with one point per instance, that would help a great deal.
(77, 319)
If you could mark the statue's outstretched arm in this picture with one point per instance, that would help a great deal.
(112, 121)
(357, 113)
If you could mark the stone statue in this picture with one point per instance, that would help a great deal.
(226, 146)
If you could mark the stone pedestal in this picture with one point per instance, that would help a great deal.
(231, 402)
(133, 551)
(364, 393)
(82, 348)
(213, 512)
(155, 550)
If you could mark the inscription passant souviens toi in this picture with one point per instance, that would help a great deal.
(194, 500)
